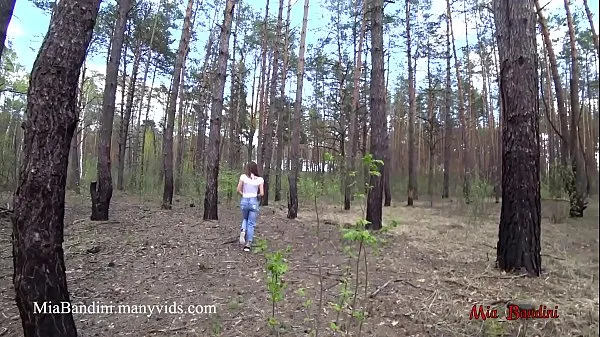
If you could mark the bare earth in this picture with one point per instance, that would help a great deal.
(435, 264)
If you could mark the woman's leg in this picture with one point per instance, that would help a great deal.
(245, 212)
(251, 223)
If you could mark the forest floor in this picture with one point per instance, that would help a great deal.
(431, 267)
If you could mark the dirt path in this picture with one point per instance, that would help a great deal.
(435, 266)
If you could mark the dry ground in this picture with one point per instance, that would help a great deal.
(436, 263)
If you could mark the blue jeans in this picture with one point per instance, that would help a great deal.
(249, 207)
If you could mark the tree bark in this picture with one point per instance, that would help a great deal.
(170, 112)
(378, 116)
(101, 190)
(519, 233)
(39, 201)
(211, 194)
(296, 120)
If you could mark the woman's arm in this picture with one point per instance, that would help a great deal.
(239, 186)
(261, 190)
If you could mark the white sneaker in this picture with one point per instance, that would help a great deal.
(242, 237)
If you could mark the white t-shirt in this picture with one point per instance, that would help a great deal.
(250, 185)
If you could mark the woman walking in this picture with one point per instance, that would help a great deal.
(250, 186)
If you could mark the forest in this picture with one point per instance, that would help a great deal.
(430, 167)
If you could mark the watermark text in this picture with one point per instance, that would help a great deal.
(49, 307)
(513, 312)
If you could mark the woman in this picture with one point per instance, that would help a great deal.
(250, 186)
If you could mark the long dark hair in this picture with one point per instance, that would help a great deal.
(252, 168)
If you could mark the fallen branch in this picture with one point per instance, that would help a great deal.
(378, 290)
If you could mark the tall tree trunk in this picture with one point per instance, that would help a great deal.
(488, 111)
(578, 189)
(180, 133)
(387, 190)
(591, 163)
(74, 180)
(470, 119)
(6, 12)
(354, 134)
(234, 103)
(280, 126)
(199, 157)
(275, 105)
(211, 194)
(170, 112)
(139, 135)
(101, 190)
(145, 128)
(115, 136)
(466, 149)
(253, 110)
(262, 92)
(549, 105)
(182, 109)
(124, 127)
(560, 98)
(39, 201)
(296, 120)
(519, 244)
(447, 116)
(498, 177)
(431, 125)
(412, 111)
(378, 116)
